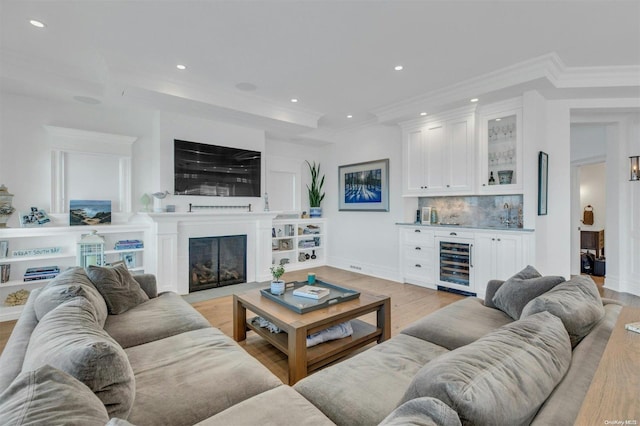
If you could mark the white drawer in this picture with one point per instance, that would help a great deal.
(418, 236)
(418, 253)
(420, 272)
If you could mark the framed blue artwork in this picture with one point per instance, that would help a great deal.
(364, 186)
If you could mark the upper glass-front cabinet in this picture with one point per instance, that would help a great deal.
(501, 152)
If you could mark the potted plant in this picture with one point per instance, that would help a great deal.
(277, 285)
(315, 190)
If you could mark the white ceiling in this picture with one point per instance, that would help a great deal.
(336, 57)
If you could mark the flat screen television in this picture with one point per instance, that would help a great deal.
(219, 171)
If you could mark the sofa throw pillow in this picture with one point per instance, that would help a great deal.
(120, 290)
(70, 339)
(422, 412)
(54, 293)
(48, 396)
(502, 378)
(518, 290)
(576, 302)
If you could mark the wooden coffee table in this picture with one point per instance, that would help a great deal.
(296, 327)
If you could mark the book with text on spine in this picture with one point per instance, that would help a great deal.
(311, 292)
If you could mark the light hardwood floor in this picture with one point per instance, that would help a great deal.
(408, 304)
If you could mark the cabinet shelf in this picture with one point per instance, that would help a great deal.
(294, 257)
(37, 258)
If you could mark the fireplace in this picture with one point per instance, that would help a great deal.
(217, 261)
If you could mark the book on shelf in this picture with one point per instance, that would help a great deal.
(128, 244)
(633, 326)
(42, 270)
(311, 292)
(39, 277)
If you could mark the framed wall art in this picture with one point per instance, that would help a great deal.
(364, 186)
(543, 182)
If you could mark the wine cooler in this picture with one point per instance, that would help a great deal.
(455, 270)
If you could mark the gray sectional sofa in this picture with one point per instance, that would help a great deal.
(525, 356)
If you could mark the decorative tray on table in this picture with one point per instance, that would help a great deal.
(302, 305)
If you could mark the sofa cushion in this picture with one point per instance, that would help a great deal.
(70, 339)
(502, 378)
(275, 407)
(166, 315)
(517, 291)
(576, 302)
(48, 396)
(422, 412)
(365, 388)
(66, 286)
(186, 378)
(120, 290)
(451, 327)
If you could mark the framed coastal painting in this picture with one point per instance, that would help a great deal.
(364, 186)
(89, 212)
(543, 182)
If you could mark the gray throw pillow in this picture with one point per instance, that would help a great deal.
(576, 302)
(57, 292)
(48, 396)
(502, 378)
(422, 412)
(517, 291)
(70, 339)
(120, 290)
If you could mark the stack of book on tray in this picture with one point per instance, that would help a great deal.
(311, 292)
(41, 273)
(129, 244)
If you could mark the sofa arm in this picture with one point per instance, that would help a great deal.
(148, 284)
(492, 287)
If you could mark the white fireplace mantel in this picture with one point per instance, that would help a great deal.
(167, 243)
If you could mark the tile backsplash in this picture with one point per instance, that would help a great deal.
(477, 211)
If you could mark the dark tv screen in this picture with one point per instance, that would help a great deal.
(219, 171)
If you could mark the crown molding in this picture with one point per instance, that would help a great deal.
(547, 68)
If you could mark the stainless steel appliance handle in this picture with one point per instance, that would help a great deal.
(471, 255)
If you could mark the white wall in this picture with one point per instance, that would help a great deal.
(365, 242)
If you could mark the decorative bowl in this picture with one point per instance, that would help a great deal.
(505, 176)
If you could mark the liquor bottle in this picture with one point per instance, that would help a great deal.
(492, 181)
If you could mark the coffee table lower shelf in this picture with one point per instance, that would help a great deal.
(326, 352)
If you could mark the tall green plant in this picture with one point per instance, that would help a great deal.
(315, 190)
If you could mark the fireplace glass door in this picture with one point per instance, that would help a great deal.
(217, 261)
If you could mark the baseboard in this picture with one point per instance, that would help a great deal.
(391, 274)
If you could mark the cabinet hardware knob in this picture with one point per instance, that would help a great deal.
(499, 239)
(418, 265)
(493, 239)
(452, 233)
(418, 248)
(417, 230)
(484, 184)
(448, 186)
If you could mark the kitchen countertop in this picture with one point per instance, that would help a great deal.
(486, 228)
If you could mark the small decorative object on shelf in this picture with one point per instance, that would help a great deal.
(277, 285)
(35, 217)
(4, 249)
(128, 244)
(91, 250)
(129, 260)
(157, 200)
(634, 168)
(145, 200)
(313, 254)
(6, 208)
(18, 298)
(5, 272)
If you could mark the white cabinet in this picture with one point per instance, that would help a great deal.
(439, 155)
(61, 243)
(417, 256)
(299, 243)
(500, 255)
(500, 149)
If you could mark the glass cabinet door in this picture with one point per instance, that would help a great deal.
(501, 159)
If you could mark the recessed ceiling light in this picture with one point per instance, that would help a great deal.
(474, 100)
(349, 116)
(181, 67)
(294, 100)
(498, 119)
(38, 24)
(423, 114)
(398, 68)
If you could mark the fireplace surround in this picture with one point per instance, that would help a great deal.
(167, 243)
